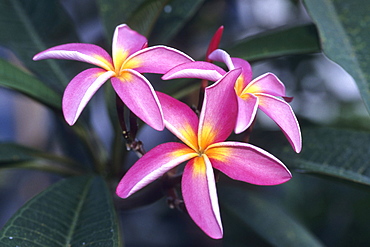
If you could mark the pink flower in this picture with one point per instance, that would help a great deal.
(204, 148)
(130, 59)
(262, 93)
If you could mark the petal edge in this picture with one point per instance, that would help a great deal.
(200, 196)
(282, 113)
(245, 162)
(152, 165)
(80, 90)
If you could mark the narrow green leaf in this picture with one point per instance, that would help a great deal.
(77, 211)
(289, 41)
(265, 217)
(116, 12)
(16, 153)
(15, 78)
(144, 18)
(13, 155)
(173, 17)
(344, 32)
(333, 152)
(31, 26)
(139, 15)
(162, 18)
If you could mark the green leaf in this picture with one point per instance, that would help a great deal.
(148, 16)
(174, 16)
(288, 41)
(139, 15)
(333, 152)
(14, 153)
(17, 156)
(77, 211)
(144, 18)
(116, 12)
(265, 217)
(31, 26)
(17, 79)
(344, 32)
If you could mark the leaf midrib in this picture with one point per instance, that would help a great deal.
(332, 171)
(78, 213)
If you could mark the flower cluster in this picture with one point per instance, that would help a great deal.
(229, 104)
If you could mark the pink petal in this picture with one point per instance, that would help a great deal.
(215, 41)
(234, 63)
(268, 84)
(180, 119)
(247, 69)
(80, 90)
(247, 109)
(88, 53)
(222, 56)
(139, 96)
(125, 42)
(219, 111)
(197, 69)
(245, 162)
(281, 112)
(153, 165)
(157, 59)
(200, 196)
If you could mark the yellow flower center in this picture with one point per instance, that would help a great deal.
(199, 166)
(206, 137)
(121, 63)
(248, 90)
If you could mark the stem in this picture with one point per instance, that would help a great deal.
(130, 136)
(169, 183)
(120, 107)
(133, 125)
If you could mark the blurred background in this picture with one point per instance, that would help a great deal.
(334, 212)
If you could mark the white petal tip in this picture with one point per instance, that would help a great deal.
(36, 58)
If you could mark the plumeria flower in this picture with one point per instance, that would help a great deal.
(262, 93)
(205, 148)
(129, 60)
